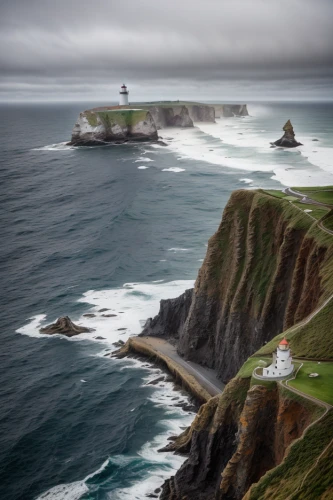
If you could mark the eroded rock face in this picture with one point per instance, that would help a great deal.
(288, 138)
(201, 113)
(234, 440)
(170, 320)
(64, 326)
(102, 126)
(230, 110)
(257, 280)
(173, 116)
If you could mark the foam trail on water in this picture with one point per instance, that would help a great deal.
(173, 169)
(119, 312)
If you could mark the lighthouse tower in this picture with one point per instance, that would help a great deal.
(123, 96)
(281, 366)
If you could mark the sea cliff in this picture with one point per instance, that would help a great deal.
(257, 280)
(101, 126)
(268, 273)
(140, 121)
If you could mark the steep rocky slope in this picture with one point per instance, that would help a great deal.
(267, 267)
(238, 437)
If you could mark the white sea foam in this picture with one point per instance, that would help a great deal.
(61, 146)
(210, 142)
(143, 159)
(131, 304)
(175, 250)
(70, 491)
(173, 169)
(142, 167)
(247, 181)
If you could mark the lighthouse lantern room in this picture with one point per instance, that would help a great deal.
(123, 96)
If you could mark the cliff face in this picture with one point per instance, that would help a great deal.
(230, 110)
(104, 126)
(173, 116)
(173, 314)
(235, 439)
(201, 113)
(258, 278)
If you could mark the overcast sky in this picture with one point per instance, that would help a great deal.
(194, 49)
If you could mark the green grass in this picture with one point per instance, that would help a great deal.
(316, 211)
(123, 118)
(274, 192)
(313, 340)
(249, 365)
(285, 480)
(92, 118)
(323, 194)
(328, 222)
(320, 387)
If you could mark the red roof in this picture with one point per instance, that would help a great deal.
(284, 342)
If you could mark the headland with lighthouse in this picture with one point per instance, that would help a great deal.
(140, 121)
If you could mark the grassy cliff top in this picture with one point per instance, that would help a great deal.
(120, 116)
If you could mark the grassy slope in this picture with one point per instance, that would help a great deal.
(320, 387)
(316, 211)
(322, 194)
(313, 340)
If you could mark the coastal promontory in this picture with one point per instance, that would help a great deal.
(141, 121)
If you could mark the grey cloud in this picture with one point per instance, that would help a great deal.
(86, 45)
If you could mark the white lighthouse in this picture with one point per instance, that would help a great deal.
(281, 366)
(123, 96)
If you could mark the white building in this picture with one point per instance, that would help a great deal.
(281, 366)
(123, 96)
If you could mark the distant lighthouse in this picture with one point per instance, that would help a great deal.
(123, 96)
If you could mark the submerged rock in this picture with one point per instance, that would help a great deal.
(288, 138)
(64, 326)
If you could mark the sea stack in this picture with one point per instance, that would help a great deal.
(288, 138)
(64, 326)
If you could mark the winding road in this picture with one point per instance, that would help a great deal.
(206, 377)
(309, 201)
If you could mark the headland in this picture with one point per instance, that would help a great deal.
(140, 121)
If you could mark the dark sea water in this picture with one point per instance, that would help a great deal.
(87, 228)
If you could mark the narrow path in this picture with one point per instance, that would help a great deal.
(304, 198)
(205, 376)
(309, 201)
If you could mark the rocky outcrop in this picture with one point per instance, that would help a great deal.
(257, 280)
(64, 326)
(102, 126)
(235, 439)
(171, 318)
(230, 110)
(288, 138)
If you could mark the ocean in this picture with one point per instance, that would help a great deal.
(116, 228)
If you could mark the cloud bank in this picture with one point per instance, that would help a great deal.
(84, 50)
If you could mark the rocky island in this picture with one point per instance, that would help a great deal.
(141, 121)
(259, 283)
